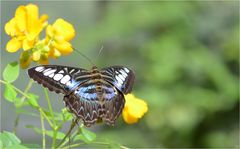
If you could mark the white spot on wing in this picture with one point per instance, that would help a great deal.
(57, 77)
(72, 71)
(123, 73)
(39, 69)
(121, 77)
(51, 75)
(127, 71)
(61, 71)
(46, 70)
(49, 72)
(65, 79)
(119, 80)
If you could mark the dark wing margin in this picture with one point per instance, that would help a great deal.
(61, 79)
(121, 77)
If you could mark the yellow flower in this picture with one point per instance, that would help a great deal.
(134, 109)
(58, 35)
(24, 28)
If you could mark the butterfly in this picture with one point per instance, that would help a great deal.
(92, 95)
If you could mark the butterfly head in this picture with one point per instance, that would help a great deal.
(94, 67)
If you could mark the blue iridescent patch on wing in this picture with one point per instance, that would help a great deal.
(109, 92)
(87, 92)
(72, 85)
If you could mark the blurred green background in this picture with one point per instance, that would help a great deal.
(185, 56)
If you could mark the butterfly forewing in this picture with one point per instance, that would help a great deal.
(121, 77)
(61, 79)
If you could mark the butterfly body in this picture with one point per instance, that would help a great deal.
(92, 94)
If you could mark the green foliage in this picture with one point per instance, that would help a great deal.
(59, 136)
(9, 140)
(86, 135)
(10, 94)
(32, 100)
(11, 72)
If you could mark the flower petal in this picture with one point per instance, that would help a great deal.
(49, 31)
(32, 17)
(63, 47)
(28, 44)
(65, 29)
(10, 27)
(43, 20)
(21, 18)
(134, 109)
(13, 45)
(34, 25)
(128, 118)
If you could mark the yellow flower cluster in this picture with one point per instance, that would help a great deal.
(25, 28)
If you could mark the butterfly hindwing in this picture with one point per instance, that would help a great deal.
(121, 77)
(60, 79)
(91, 106)
(113, 108)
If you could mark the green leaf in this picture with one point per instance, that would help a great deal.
(60, 135)
(11, 72)
(64, 115)
(17, 146)
(86, 135)
(18, 102)
(32, 146)
(10, 94)
(80, 137)
(32, 100)
(37, 130)
(114, 145)
(23, 111)
(8, 139)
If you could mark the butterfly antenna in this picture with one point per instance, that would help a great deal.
(100, 51)
(83, 55)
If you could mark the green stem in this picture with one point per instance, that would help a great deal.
(54, 139)
(106, 143)
(49, 105)
(73, 145)
(30, 83)
(16, 123)
(98, 143)
(46, 117)
(73, 124)
(54, 122)
(43, 131)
